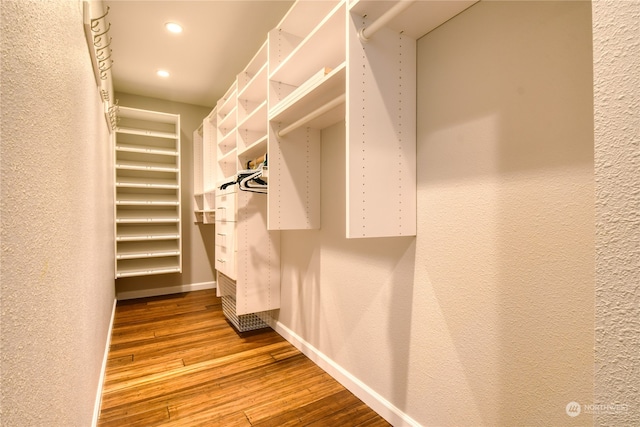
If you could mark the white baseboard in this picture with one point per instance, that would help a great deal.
(154, 292)
(376, 402)
(103, 370)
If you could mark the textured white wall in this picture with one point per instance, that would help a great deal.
(486, 317)
(616, 62)
(57, 218)
(198, 241)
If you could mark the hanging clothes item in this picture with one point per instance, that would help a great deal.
(250, 179)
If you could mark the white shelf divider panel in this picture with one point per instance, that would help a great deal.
(381, 138)
(147, 193)
(258, 257)
(294, 179)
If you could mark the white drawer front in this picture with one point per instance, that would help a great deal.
(226, 261)
(226, 207)
(226, 235)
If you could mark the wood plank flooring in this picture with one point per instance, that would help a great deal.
(175, 360)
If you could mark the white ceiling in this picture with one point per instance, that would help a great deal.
(220, 37)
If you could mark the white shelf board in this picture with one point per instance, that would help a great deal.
(146, 266)
(299, 104)
(145, 166)
(151, 116)
(146, 233)
(146, 199)
(258, 148)
(418, 19)
(324, 47)
(302, 17)
(256, 88)
(153, 133)
(134, 182)
(145, 149)
(131, 216)
(257, 120)
(227, 103)
(152, 249)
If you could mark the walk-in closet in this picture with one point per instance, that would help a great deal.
(319, 212)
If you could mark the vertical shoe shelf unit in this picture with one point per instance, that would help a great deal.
(326, 62)
(147, 193)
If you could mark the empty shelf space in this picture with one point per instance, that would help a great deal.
(228, 102)
(255, 88)
(256, 149)
(256, 120)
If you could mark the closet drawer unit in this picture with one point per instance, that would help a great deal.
(226, 261)
(226, 235)
(226, 206)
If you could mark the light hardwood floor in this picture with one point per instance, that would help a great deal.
(174, 360)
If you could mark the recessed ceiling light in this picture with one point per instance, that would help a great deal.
(162, 73)
(173, 27)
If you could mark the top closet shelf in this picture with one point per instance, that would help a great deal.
(419, 18)
(323, 47)
(311, 97)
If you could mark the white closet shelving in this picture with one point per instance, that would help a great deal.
(381, 112)
(247, 254)
(326, 62)
(226, 141)
(306, 94)
(204, 157)
(147, 193)
(252, 110)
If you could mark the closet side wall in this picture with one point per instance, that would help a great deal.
(198, 240)
(57, 218)
(616, 32)
(486, 316)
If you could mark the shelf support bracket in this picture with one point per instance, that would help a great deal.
(316, 113)
(366, 33)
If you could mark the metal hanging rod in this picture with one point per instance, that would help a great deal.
(366, 33)
(316, 113)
